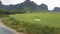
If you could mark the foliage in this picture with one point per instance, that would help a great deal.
(49, 24)
(3, 13)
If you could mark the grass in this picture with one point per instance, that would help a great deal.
(49, 24)
(50, 19)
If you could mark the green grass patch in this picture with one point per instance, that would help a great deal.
(35, 23)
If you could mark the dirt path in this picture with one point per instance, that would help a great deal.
(7, 28)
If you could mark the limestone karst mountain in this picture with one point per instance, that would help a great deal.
(57, 9)
(26, 6)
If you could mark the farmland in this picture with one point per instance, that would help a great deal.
(35, 23)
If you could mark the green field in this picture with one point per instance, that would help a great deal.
(35, 23)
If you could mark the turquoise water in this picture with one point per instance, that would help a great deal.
(5, 31)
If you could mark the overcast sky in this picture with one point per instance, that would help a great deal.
(51, 3)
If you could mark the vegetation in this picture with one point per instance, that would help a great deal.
(35, 23)
(3, 13)
(30, 18)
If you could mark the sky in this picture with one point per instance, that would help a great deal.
(51, 3)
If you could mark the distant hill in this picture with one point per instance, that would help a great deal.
(43, 7)
(26, 6)
(57, 9)
(1, 6)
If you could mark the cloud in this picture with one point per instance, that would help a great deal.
(51, 3)
(7, 2)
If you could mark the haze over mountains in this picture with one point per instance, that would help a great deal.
(27, 6)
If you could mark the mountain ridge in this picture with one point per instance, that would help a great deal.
(27, 5)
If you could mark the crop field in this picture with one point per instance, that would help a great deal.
(35, 23)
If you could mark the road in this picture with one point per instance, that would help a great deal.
(5, 30)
